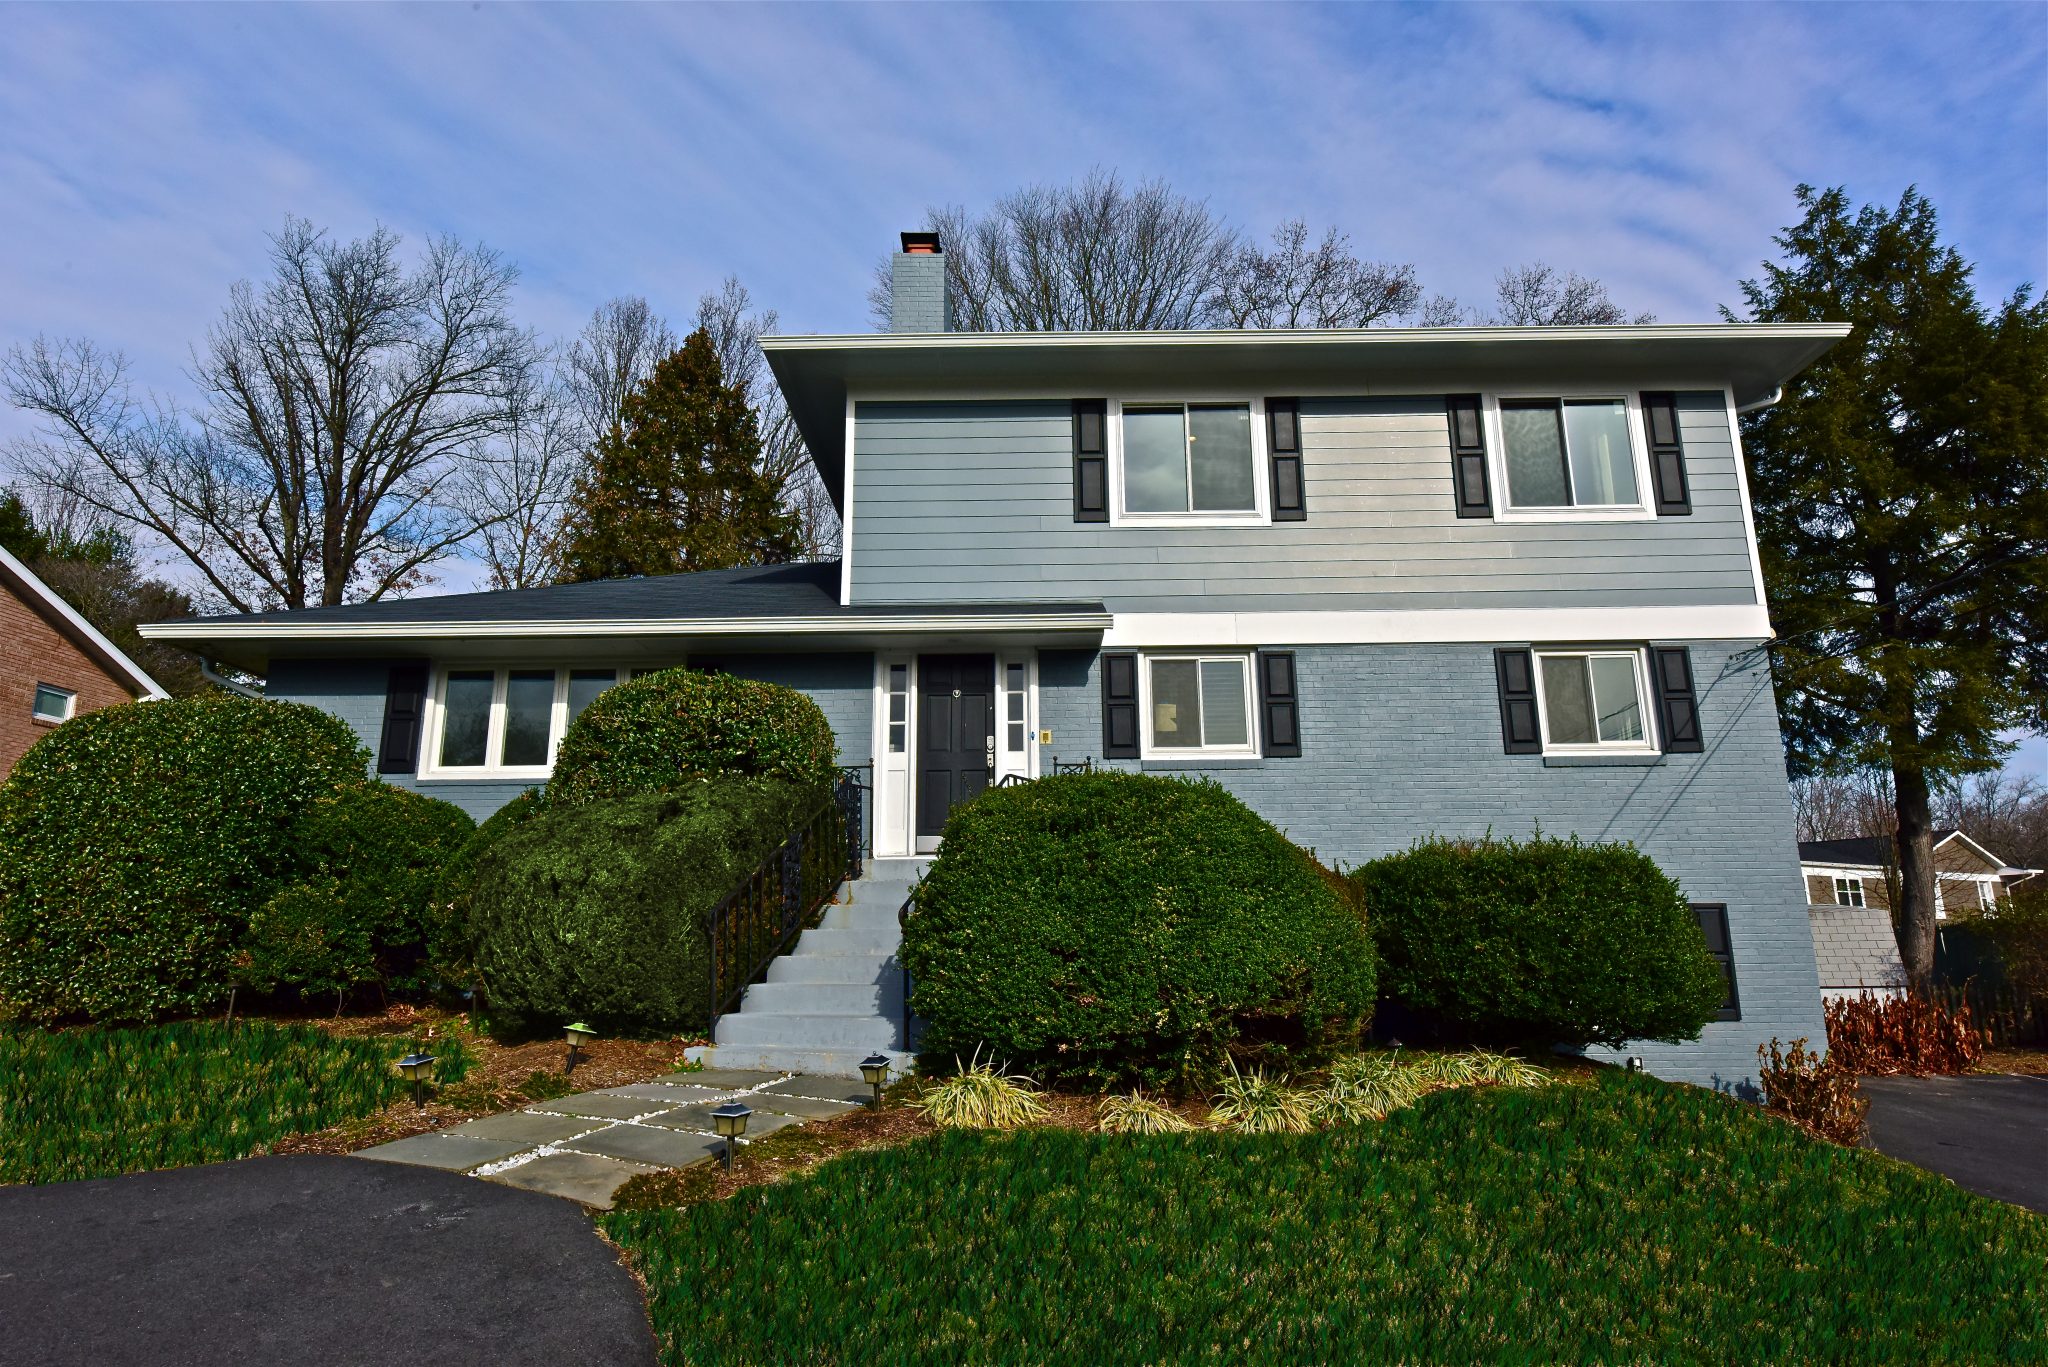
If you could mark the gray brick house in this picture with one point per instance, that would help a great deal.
(1381, 584)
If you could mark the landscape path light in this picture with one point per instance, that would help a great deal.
(577, 1035)
(874, 1070)
(730, 1120)
(415, 1067)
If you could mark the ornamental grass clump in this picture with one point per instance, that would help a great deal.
(980, 1098)
(1256, 1104)
(1379, 1081)
(1139, 1114)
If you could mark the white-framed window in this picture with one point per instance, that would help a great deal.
(1196, 705)
(53, 704)
(1593, 701)
(506, 720)
(1987, 895)
(899, 708)
(1193, 462)
(1570, 455)
(1849, 892)
(1016, 696)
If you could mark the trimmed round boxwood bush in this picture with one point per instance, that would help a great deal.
(664, 731)
(595, 911)
(1544, 939)
(1117, 928)
(137, 841)
(450, 931)
(362, 911)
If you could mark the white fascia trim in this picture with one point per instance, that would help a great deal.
(1756, 560)
(1959, 835)
(1456, 626)
(1864, 873)
(1317, 337)
(851, 625)
(846, 517)
(19, 573)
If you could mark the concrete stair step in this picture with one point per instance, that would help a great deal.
(861, 916)
(822, 1062)
(808, 1031)
(867, 940)
(882, 998)
(833, 968)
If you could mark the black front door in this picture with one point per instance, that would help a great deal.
(955, 736)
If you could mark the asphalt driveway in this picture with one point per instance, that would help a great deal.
(309, 1260)
(1986, 1134)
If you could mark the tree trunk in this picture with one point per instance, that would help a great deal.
(1913, 848)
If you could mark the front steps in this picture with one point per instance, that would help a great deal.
(836, 997)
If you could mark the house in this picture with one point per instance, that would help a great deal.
(1849, 890)
(1378, 583)
(54, 665)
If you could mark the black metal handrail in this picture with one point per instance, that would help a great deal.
(784, 895)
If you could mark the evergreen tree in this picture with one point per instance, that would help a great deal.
(678, 486)
(1901, 492)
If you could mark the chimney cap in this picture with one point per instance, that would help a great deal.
(922, 244)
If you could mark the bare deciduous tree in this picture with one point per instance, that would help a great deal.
(618, 349)
(1535, 295)
(342, 401)
(1295, 285)
(519, 493)
(727, 317)
(1090, 256)
(1843, 806)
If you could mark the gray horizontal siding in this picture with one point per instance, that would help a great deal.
(841, 684)
(967, 501)
(1401, 742)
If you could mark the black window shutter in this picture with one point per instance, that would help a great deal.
(1667, 455)
(405, 707)
(1283, 449)
(1468, 457)
(1714, 925)
(1677, 707)
(1279, 704)
(1514, 672)
(1120, 706)
(1091, 460)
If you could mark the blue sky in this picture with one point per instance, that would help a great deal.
(145, 151)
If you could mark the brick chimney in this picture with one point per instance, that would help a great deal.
(918, 298)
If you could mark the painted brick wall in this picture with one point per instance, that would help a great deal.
(1855, 948)
(33, 651)
(1404, 741)
(354, 691)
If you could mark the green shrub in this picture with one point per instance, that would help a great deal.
(1118, 928)
(137, 841)
(664, 731)
(595, 912)
(1544, 939)
(450, 932)
(363, 912)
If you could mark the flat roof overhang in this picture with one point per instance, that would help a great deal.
(1753, 360)
(251, 646)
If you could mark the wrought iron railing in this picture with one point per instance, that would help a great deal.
(785, 895)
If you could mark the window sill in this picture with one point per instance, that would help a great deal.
(1192, 764)
(1628, 514)
(483, 775)
(1642, 760)
(1198, 520)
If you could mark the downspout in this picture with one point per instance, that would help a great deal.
(219, 680)
(1765, 402)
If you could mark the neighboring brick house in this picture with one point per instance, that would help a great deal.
(54, 665)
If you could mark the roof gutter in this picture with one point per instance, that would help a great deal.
(1758, 405)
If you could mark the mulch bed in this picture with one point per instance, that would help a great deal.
(502, 1079)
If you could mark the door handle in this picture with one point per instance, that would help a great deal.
(991, 754)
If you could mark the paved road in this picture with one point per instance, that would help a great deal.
(1986, 1134)
(310, 1261)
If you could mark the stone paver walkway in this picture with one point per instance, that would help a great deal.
(586, 1146)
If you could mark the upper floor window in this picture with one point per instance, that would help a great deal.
(1849, 892)
(53, 704)
(1569, 453)
(1190, 459)
(1592, 700)
(509, 719)
(1198, 705)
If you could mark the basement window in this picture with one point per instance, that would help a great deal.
(52, 704)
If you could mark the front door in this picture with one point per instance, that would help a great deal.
(956, 737)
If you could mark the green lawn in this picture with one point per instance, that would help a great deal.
(1623, 1220)
(92, 1103)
